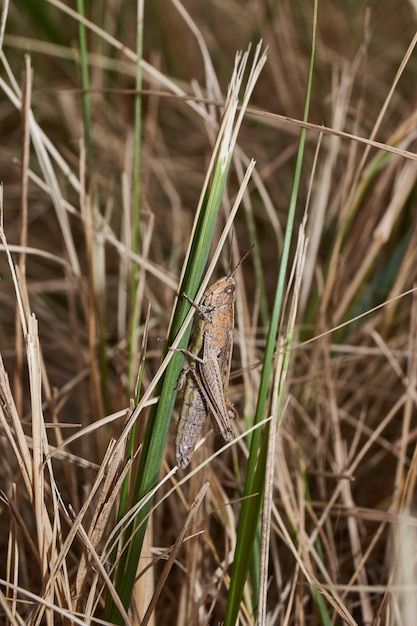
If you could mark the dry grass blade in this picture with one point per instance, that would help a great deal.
(278, 412)
(12, 427)
(174, 551)
(44, 534)
(404, 573)
(113, 477)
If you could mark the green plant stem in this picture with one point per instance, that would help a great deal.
(254, 486)
(85, 81)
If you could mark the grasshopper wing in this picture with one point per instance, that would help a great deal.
(221, 410)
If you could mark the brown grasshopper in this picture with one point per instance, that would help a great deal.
(206, 380)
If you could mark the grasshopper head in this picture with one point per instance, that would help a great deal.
(222, 293)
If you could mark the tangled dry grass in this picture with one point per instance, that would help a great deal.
(76, 340)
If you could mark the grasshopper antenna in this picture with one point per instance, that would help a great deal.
(241, 261)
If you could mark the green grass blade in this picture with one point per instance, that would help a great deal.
(157, 429)
(135, 243)
(160, 416)
(134, 322)
(254, 486)
(85, 81)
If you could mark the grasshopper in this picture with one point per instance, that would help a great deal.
(206, 380)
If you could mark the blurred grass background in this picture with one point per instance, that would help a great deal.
(345, 459)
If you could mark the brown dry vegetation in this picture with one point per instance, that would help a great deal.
(342, 537)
